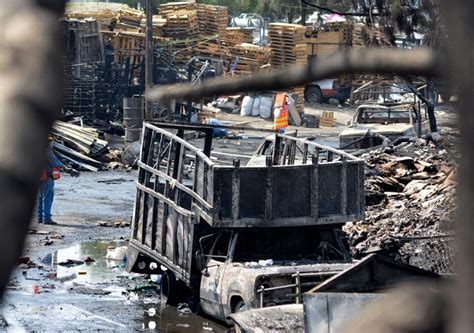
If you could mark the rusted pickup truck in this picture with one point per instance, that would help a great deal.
(234, 237)
(372, 124)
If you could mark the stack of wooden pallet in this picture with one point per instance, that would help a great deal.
(181, 24)
(212, 49)
(127, 44)
(251, 57)
(128, 19)
(159, 22)
(212, 19)
(332, 38)
(288, 47)
(104, 13)
(288, 44)
(236, 35)
(173, 7)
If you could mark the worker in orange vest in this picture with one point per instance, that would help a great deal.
(280, 113)
(49, 175)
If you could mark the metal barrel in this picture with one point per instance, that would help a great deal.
(133, 109)
(133, 134)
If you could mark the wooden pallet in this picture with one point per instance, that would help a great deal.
(212, 19)
(327, 119)
(181, 24)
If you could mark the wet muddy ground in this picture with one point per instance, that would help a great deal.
(45, 294)
(71, 276)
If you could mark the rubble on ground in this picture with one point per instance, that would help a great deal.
(410, 194)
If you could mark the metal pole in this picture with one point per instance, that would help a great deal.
(303, 13)
(149, 57)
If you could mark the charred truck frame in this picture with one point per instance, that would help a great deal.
(238, 237)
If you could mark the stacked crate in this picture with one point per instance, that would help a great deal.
(251, 57)
(236, 35)
(288, 47)
(212, 19)
(181, 24)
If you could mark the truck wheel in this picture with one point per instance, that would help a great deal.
(169, 292)
(313, 95)
(240, 307)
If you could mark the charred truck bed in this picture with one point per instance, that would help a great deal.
(190, 210)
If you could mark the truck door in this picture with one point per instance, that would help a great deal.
(211, 281)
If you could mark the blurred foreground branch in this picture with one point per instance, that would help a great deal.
(413, 62)
(30, 67)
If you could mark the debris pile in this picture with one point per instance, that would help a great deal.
(410, 194)
(82, 147)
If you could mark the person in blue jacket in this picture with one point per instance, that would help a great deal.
(46, 191)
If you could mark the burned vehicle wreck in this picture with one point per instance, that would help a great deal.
(238, 237)
(377, 124)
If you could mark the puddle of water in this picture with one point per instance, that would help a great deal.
(169, 319)
(99, 271)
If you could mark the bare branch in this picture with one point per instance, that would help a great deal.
(413, 62)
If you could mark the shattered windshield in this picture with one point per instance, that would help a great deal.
(367, 116)
(289, 244)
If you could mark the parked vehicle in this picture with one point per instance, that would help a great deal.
(247, 20)
(238, 237)
(320, 91)
(372, 124)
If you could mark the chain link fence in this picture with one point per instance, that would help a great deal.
(433, 253)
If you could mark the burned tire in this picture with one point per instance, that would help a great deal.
(313, 95)
(169, 292)
(240, 307)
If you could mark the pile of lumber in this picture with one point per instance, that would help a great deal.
(181, 24)
(80, 146)
(250, 57)
(212, 19)
(236, 35)
(288, 47)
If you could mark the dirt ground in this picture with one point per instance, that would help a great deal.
(45, 295)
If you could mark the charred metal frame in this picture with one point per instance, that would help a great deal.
(289, 191)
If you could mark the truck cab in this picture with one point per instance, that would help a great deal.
(254, 268)
(318, 92)
(371, 124)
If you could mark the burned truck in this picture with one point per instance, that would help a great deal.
(234, 237)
